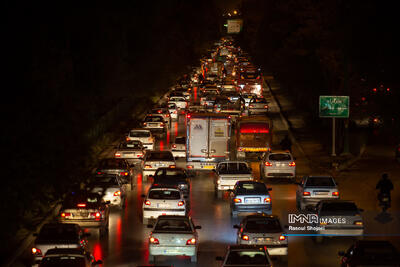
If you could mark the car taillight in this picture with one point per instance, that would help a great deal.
(305, 193)
(139, 155)
(117, 155)
(282, 237)
(358, 223)
(162, 124)
(96, 215)
(181, 203)
(147, 203)
(154, 240)
(124, 173)
(65, 214)
(36, 251)
(188, 116)
(267, 200)
(99, 173)
(237, 200)
(189, 166)
(292, 164)
(144, 123)
(245, 237)
(268, 164)
(117, 193)
(147, 166)
(159, 111)
(81, 205)
(191, 241)
(172, 166)
(127, 139)
(251, 106)
(173, 146)
(175, 111)
(265, 106)
(335, 194)
(167, 115)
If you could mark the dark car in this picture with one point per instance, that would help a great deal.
(117, 166)
(370, 253)
(71, 257)
(250, 196)
(173, 176)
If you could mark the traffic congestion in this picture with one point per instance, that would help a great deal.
(209, 178)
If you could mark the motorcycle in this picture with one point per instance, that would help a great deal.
(384, 201)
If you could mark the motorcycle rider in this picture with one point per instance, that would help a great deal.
(385, 186)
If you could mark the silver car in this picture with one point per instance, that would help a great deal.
(250, 196)
(156, 159)
(163, 200)
(179, 101)
(246, 255)
(133, 151)
(173, 236)
(154, 123)
(258, 105)
(111, 188)
(278, 164)
(262, 229)
(313, 189)
(178, 147)
(143, 135)
(164, 112)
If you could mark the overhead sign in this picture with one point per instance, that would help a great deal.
(235, 25)
(334, 106)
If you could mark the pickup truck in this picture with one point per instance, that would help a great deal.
(228, 173)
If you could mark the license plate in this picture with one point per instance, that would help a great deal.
(208, 167)
(162, 205)
(252, 200)
(263, 239)
(321, 193)
(83, 214)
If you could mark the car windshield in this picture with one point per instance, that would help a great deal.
(161, 156)
(85, 200)
(339, 207)
(265, 225)
(58, 233)
(174, 225)
(320, 182)
(258, 100)
(153, 119)
(131, 145)
(177, 99)
(280, 157)
(164, 194)
(233, 168)
(251, 188)
(112, 164)
(173, 172)
(246, 258)
(64, 260)
(139, 134)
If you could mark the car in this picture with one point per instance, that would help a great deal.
(247, 97)
(86, 209)
(179, 101)
(279, 164)
(229, 86)
(143, 135)
(117, 166)
(163, 200)
(258, 105)
(173, 111)
(370, 253)
(173, 176)
(154, 123)
(228, 173)
(314, 188)
(58, 235)
(172, 236)
(156, 159)
(246, 255)
(338, 218)
(111, 188)
(73, 257)
(133, 151)
(164, 112)
(250, 196)
(178, 147)
(212, 77)
(262, 229)
(207, 100)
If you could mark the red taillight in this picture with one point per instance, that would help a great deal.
(188, 116)
(267, 200)
(36, 251)
(388, 89)
(173, 146)
(117, 193)
(181, 203)
(172, 166)
(117, 155)
(65, 214)
(292, 164)
(97, 215)
(251, 106)
(189, 166)
(139, 155)
(147, 203)
(159, 111)
(245, 237)
(268, 164)
(175, 112)
(147, 166)
(335, 194)
(265, 106)
(124, 173)
(305, 193)
(127, 139)
(162, 124)
(237, 200)
(191, 241)
(144, 123)
(166, 115)
(99, 173)
(374, 90)
(154, 240)
(282, 237)
(81, 205)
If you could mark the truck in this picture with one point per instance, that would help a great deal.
(207, 141)
(253, 135)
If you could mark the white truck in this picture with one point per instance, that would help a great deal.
(207, 142)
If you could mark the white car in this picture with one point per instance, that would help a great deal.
(278, 164)
(143, 135)
(178, 147)
(156, 159)
(111, 188)
(179, 101)
(163, 200)
(173, 236)
(173, 111)
(155, 123)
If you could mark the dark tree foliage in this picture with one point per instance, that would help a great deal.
(68, 64)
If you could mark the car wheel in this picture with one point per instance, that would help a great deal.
(193, 258)
(152, 258)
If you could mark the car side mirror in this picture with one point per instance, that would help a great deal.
(341, 253)
(236, 226)
(219, 258)
(197, 227)
(150, 226)
(142, 195)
